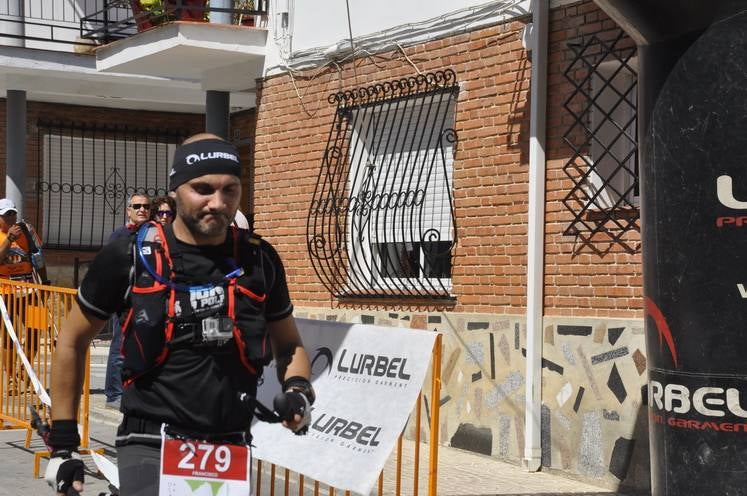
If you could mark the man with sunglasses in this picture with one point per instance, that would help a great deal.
(209, 308)
(138, 212)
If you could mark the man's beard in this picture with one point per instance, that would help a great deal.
(218, 226)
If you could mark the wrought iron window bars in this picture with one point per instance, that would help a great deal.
(87, 172)
(603, 136)
(381, 223)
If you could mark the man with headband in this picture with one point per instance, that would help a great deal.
(207, 307)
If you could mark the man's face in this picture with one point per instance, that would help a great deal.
(8, 219)
(208, 204)
(138, 211)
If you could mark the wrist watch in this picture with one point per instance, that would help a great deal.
(12, 237)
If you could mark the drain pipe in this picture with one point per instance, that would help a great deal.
(536, 237)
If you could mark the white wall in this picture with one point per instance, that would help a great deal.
(324, 22)
(315, 29)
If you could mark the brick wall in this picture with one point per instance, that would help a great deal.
(490, 169)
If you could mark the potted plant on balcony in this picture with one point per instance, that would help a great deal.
(245, 20)
(150, 13)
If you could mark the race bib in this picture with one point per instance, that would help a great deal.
(196, 468)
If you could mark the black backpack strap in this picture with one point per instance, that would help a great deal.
(33, 248)
(252, 255)
(264, 414)
(176, 254)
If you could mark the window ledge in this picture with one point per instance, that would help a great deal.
(435, 302)
(613, 213)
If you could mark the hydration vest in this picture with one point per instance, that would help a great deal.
(164, 315)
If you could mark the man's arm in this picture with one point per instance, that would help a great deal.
(287, 347)
(65, 469)
(292, 363)
(69, 360)
(13, 233)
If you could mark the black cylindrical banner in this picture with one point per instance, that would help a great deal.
(694, 182)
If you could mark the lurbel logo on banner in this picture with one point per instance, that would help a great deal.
(384, 370)
(322, 361)
(346, 433)
(697, 407)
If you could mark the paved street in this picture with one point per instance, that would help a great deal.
(460, 473)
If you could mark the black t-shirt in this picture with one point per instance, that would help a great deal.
(194, 388)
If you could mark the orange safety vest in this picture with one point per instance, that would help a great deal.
(17, 261)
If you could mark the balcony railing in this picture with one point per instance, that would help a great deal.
(49, 23)
(108, 24)
(43, 23)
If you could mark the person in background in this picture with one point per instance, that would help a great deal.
(138, 212)
(20, 247)
(20, 260)
(163, 210)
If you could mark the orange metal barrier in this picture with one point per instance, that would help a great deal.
(36, 313)
(395, 478)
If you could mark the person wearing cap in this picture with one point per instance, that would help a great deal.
(20, 247)
(20, 260)
(208, 309)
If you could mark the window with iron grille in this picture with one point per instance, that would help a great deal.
(613, 181)
(87, 174)
(382, 220)
(604, 198)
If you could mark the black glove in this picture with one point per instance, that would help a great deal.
(63, 469)
(296, 400)
(65, 465)
(291, 403)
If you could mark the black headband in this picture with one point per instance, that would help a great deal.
(209, 156)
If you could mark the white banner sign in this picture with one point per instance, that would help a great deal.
(367, 379)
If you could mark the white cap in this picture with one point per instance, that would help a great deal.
(6, 205)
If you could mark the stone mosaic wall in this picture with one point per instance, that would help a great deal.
(594, 425)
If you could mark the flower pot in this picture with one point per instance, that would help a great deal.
(195, 14)
(144, 19)
(148, 15)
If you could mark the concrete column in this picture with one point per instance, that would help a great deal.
(217, 113)
(220, 17)
(15, 147)
(217, 103)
